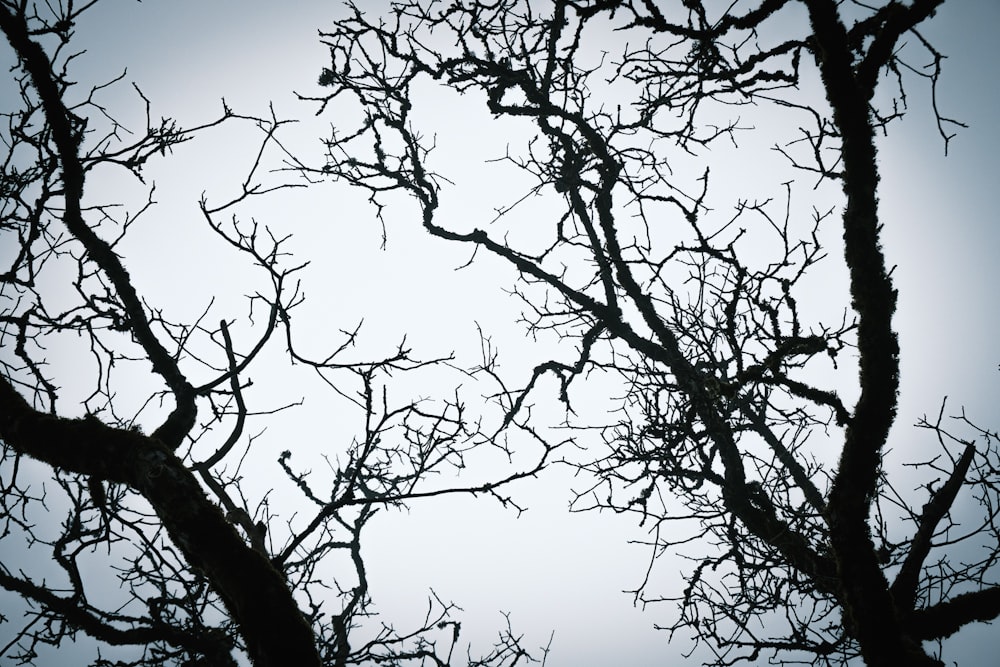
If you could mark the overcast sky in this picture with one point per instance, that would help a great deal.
(553, 571)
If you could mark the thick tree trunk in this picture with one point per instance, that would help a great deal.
(870, 612)
(254, 592)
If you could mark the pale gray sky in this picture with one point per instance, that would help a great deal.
(552, 571)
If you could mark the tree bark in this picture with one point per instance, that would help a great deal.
(253, 591)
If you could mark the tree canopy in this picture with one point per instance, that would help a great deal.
(688, 211)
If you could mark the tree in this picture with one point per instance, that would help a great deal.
(733, 381)
(151, 490)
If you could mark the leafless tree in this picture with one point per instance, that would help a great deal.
(137, 528)
(733, 437)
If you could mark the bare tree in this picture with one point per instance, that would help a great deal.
(733, 435)
(156, 499)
